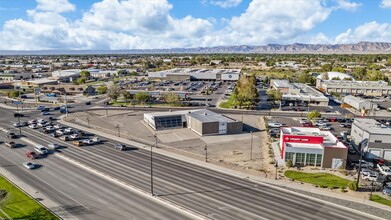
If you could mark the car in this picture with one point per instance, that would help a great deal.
(325, 128)
(88, 141)
(41, 107)
(371, 176)
(64, 138)
(57, 126)
(33, 126)
(78, 143)
(32, 121)
(120, 147)
(41, 149)
(366, 171)
(31, 155)
(74, 136)
(16, 124)
(321, 124)
(29, 165)
(17, 114)
(45, 113)
(12, 135)
(56, 108)
(344, 133)
(68, 130)
(274, 124)
(53, 146)
(60, 132)
(387, 191)
(385, 170)
(88, 103)
(23, 123)
(10, 144)
(40, 120)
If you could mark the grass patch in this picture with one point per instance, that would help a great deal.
(380, 200)
(318, 179)
(20, 206)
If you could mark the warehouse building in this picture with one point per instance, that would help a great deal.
(346, 87)
(299, 93)
(190, 74)
(359, 104)
(306, 146)
(201, 121)
(372, 137)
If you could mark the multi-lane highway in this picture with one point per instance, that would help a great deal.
(209, 193)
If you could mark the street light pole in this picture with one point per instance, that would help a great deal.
(119, 134)
(152, 165)
(206, 153)
(276, 165)
(20, 127)
(88, 121)
(251, 146)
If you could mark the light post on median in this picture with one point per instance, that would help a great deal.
(251, 146)
(152, 165)
(206, 153)
(119, 134)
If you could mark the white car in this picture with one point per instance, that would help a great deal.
(303, 120)
(88, 141)
(325, 128)
(53, 146)
(74, 136)
(32, 121)
(69, 130)
(33, 126)
(29, 165)
(274, 124)
(58, 126)
(387, 191)
(385, 170)
(45, 113)
(41, 149)
(371, 176)
(60, 132)
(40, 120)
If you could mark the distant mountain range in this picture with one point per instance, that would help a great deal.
(297, 48)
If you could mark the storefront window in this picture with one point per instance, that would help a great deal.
(310, 160)
(319, 160)
(300, 158)
(289, 156)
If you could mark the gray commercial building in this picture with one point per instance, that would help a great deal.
(359, 103)
(373, 137)
(191, 74)
(370, 88)
(201, 121)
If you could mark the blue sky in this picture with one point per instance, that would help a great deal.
(146, 24)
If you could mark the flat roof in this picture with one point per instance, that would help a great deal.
(205, 115)
(329, 140)
(371, 126)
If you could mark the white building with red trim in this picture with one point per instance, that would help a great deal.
(306, 146)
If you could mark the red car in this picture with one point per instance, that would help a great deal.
(31, 155)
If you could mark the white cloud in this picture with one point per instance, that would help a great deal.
(371, 31)
(226, 3)
(58, 6)
(347, 5)
(274, 22)
(385, 4)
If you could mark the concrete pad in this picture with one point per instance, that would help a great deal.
(226, 138)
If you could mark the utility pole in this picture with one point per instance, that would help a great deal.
(206, 153)
(152, 165)
(66, 104)
(119, 134)
(107, 113)
(251, 146)
(20, 127)
(88, 121)
(276, 165)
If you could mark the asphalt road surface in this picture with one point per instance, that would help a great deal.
(211, 194)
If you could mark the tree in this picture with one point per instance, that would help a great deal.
(126, 96)
(313, 114)
(274, 94)
(171, 98)
(359, 73)
(327, 67)
(80, 81)
(338, 69)
(13, 94)
(306, 78)
(114, 92)
(85, 74)
(142, 97)
(101, 90)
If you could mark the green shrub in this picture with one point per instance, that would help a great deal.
(289, 164)
(353, 185)
(342, 188)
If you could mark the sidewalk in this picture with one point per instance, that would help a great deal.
(283, 184)
(277, 154)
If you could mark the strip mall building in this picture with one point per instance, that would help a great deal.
(306, 146)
